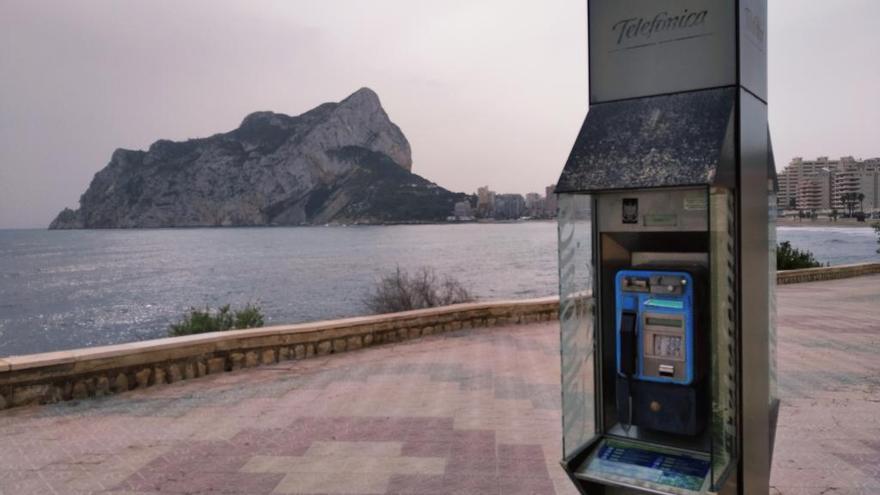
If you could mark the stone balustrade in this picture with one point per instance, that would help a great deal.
(826, 273)
(98, 371)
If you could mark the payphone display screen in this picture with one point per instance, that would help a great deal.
(668, 346)
(664, 322)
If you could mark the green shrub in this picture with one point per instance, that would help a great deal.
(198, 321)
(789, 258)
(249, 317)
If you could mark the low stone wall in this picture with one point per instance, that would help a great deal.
(98, 371)
(826, 273)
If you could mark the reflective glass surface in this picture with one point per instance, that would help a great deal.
(771, 293)
(723, 334)
(576, 321)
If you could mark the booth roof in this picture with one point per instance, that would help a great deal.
(679, 140)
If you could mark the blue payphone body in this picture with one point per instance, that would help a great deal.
(660, 355)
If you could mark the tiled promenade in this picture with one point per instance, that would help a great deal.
(473, 412)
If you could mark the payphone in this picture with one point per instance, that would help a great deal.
(667, 284)
(660, 348)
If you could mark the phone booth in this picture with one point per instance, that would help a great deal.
(667, 254)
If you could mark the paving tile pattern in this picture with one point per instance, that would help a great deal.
(470, 412)
(828, 438)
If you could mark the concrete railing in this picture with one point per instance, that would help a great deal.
(826, 273)
(97, 371)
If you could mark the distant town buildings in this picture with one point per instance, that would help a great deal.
(550, 204)
(463, 211)
(843, 187)
(846, 185)
(488, 204)
(534, 204)
(485, 202)
(509, 207)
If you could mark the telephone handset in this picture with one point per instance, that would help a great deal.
(628, 343)
(627, 336)
(660, 356)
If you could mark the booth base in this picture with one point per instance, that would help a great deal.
(648, 469)
(663, 407)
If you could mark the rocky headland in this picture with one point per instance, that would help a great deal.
(338, 163)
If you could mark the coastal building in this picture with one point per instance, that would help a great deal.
(798, 171)
(550, 204)
(534, 205)
(858, 180)
(814, 192)
(485, 202)
(509, 206)
(463, 211)
(824, 184)
(489, 204)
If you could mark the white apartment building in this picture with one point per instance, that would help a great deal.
(815, 192)
(858, 178)
(821, 183)
(798, 170)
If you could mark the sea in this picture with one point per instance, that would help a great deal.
(70, 289)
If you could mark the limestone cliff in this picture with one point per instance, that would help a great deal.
(341, 162)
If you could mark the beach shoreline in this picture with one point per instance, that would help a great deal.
(824, 223)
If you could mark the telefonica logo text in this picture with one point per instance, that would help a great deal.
(636, 28)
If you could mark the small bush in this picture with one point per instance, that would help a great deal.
(401, 291)
(249, 317)
(198, 321)
(789, 258)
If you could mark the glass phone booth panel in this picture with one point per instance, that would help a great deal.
(724, 340)
(576, 322)
(664, 265)
(771, 328)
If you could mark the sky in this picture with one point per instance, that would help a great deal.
(488, 92)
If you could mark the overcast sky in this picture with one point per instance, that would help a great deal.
(487, 91)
